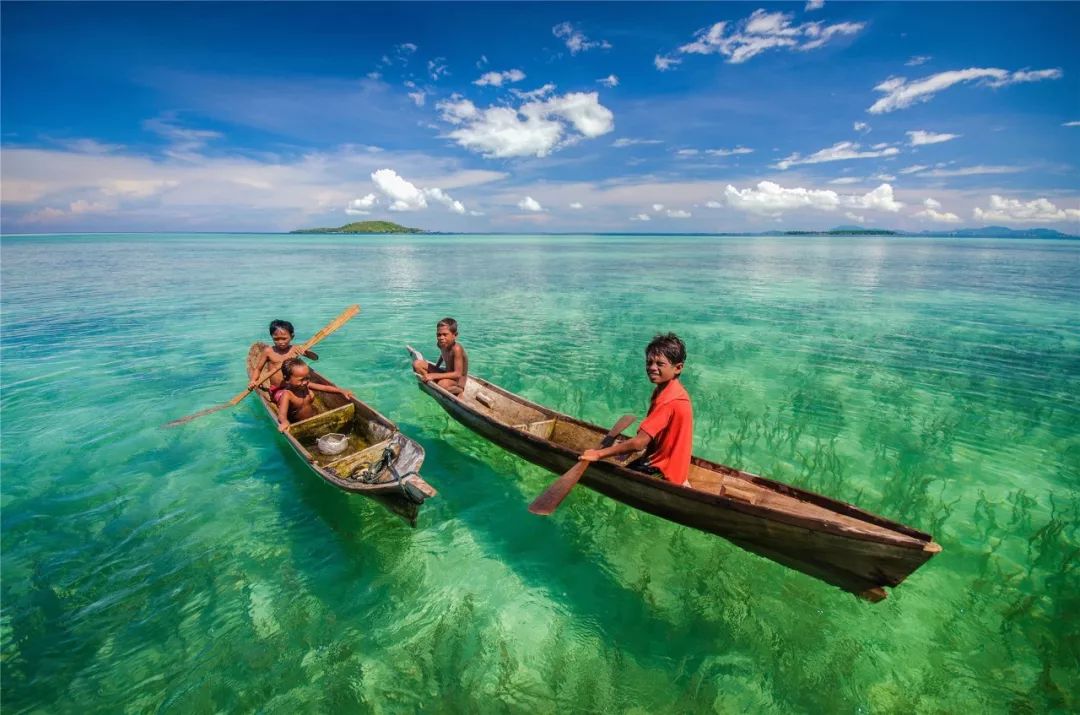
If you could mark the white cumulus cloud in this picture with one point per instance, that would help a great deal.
(496, 79)
(577, 205)
(771, 199)
(1071, 124)
(535, 128)
(920, 137)
(678, 213)
(918, 60)
(641, 217)
(443, 198)
(1013, 210)
(530, 204)
(813, 5)
(840, 151)
(609, 81)
(763, 31)
(861, 127)
(880, 199)
(362, 206)
(406, 196)
(899, 93)
(575, 39)
(931, 212)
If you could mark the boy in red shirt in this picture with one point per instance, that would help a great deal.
(666, 433)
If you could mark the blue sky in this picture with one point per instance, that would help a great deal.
(540, 117)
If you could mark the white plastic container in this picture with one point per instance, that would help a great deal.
(333, 443)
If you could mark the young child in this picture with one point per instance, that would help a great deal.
(281, 332)
(452, 370)
(666, 433)
(296, 396)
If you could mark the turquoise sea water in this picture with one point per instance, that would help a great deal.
(204, 569)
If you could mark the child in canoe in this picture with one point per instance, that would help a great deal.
(666, 433)
(296, 396)
(281, 332)
(452, 370)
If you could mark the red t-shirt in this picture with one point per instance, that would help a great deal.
(670, 423)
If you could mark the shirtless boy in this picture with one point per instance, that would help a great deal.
(296, 397)
(281, 332)
(452, 370)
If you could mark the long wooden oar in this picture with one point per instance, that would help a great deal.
(549, 501)
(330, 327)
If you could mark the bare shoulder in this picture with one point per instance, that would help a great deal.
(459, 350)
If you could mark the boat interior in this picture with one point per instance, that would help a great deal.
(719, 481)
(367, 438)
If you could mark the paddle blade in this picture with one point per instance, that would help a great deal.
(549, 501)
(189, 418)
(208, 411)
(553, 496)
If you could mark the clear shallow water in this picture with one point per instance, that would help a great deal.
(203, 569)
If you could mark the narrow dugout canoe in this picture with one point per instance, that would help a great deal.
(830, 540)
(379, 461)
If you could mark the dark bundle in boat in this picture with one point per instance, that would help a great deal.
(831, 540)
(378, 461)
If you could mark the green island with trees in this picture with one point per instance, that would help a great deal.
(364, 227)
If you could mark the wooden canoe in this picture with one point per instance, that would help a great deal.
(379, 462)
(830, 540)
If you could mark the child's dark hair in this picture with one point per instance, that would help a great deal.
(450, 323)
(669, 345)
(275, 324)
(288, 365)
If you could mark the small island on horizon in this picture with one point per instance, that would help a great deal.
(389, 227)
(364, 227)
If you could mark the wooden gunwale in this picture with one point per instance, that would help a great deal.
(906, 537)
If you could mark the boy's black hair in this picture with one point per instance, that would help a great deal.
(275, 324)
(449, 323)
(288, 365)
(669, 345)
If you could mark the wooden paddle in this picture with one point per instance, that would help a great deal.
(549, 501)
(330, 327)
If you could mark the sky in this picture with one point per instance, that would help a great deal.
(537, 117)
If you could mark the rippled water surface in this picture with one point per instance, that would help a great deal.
(205, 569)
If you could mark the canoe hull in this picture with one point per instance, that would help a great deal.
(397, 485)
(832, 553)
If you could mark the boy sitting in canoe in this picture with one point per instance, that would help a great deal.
(281, 332)
(295, 397)
(452, 369)
(666, 433)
